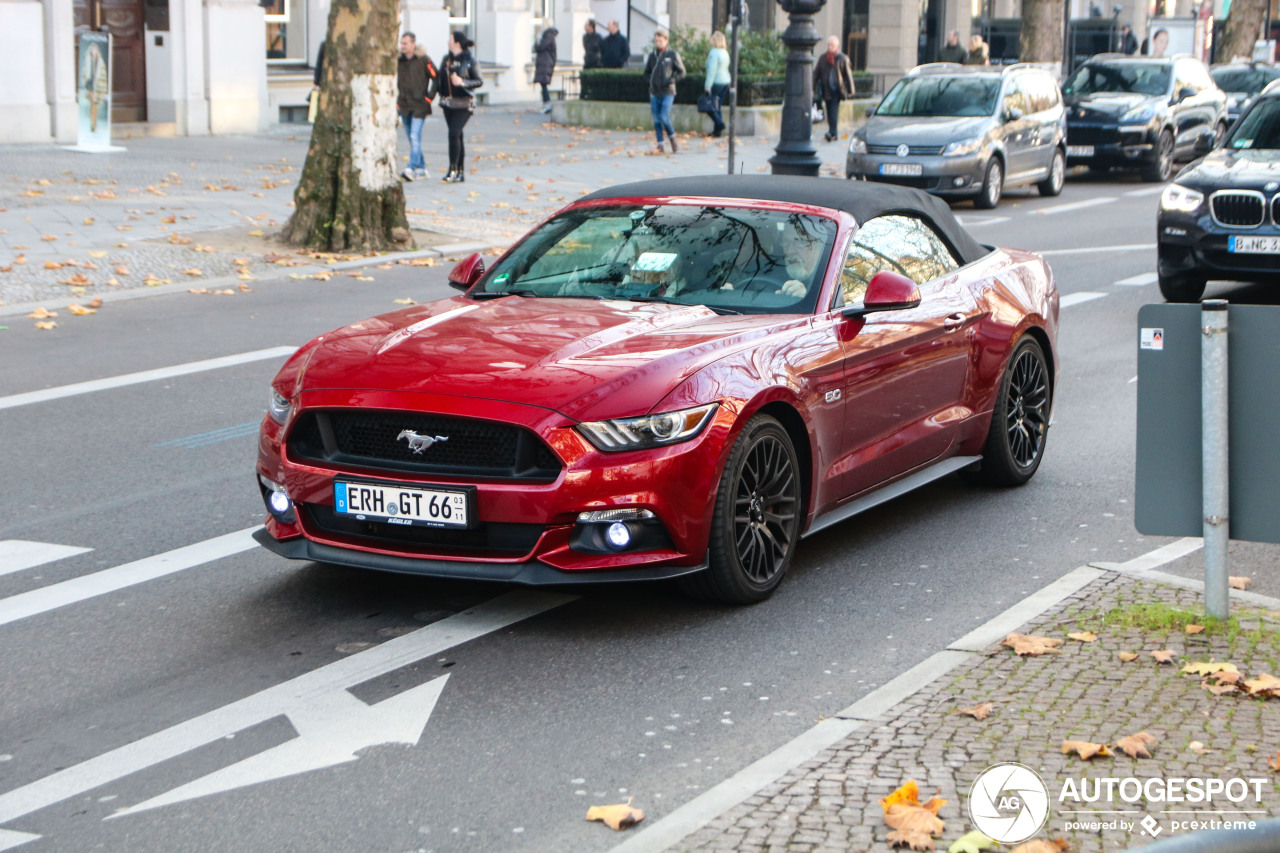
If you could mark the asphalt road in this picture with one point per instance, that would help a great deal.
(120, 697)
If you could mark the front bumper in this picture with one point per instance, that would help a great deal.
(1113, 145)
(943, 176)
(1194, 244)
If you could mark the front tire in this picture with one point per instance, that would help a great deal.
(1052, 185)
(1162, 168)
(992, 186)
(1181, 288)
(1020, 419)
(756, 523)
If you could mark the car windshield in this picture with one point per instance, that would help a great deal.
(1251, 80)
(730, 259)
(939, 95)
(1143, 78)
(1258, 128)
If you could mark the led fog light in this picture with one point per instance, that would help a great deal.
(612, 531)
(618, 535)
(277, 500)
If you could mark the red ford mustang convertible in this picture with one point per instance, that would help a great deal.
(667, 379)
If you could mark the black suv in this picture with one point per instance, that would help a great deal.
(1141, 113)
(1220, 218)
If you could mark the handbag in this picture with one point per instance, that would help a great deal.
(708, 103)
(457, 103)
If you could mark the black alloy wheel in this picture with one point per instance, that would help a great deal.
(1161, 169)
(992, 186)
(1020, 419)
(756, 524)
(1052, 185)
(1181, 288)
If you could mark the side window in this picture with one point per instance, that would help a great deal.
(1015, 98)
(900, 243)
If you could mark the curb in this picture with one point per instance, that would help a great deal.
(698, 812)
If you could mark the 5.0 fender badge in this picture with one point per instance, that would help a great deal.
(419, 443)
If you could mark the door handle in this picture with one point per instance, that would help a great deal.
(954, 322)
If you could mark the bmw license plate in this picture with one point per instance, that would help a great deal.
(1079, 150)
(1254, 245)
(401, 505)
(901, 169)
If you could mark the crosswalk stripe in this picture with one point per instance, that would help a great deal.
(1078, 297)
(109, 580)
(1139, 280)
(19, 554)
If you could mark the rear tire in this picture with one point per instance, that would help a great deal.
(1181, 288)
(992, 186)
(756, 523)
(1019, 420)
(1052, 185)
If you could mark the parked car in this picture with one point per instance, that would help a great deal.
(962, 131)
(1138, 112)
(669, 379)
(1242, 81)
(1220, 218)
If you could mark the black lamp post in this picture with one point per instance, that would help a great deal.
(795, 152)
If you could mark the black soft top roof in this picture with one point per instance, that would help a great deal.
(863, 200)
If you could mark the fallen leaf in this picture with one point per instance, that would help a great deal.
(96, 303)
(178, 240)
(1218, 689)
(77, 280)
(48, 238)
(257, 232)
(1026, 644)
(908, 792)
(112, 282)
(1163, 655)
(46, 325)
(20, 260)
(193, 271)
(1194, 629)
(1224, 677)
(1126, 656)
(618, 816)
(978, 712)
(122, 270)
(244, 288)
(1084, 748)
(404, 302)
(915, 824)
(170, 219)
(198, 290)
(1057, 845)
(910, 839)
(42, 313)
(88, 220)
(1198, 748)
(1135, 746)
(52, 265)
(97, 254)
(80, 310)
(1208, 668)
(1084, 636)
(1263, 684)
(971, 842)
(1240, 582)
(1274, 762)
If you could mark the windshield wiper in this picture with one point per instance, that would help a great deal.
(495, 294)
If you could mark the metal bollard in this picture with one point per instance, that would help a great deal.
(1213, 419)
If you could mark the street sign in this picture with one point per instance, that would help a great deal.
(1168, 473)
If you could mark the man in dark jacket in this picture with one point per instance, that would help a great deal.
(832, 83)
(416, 77)
(952, 51)
(544, 63)
(592, 46)
(1127, 41)
(615, 51)
(664, 68)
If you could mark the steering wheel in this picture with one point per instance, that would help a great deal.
(762, 282)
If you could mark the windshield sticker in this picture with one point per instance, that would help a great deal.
(654, 261)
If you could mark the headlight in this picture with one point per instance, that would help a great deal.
(962, 147)
(856, 145)
(648, 430)
(1138, 115)
(1181, 199)
(278, 407)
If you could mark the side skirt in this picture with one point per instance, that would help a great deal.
(887, 493)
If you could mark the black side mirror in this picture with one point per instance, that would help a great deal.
(1184, 93)
(887, 291)
(467, 272)
(1012, 114)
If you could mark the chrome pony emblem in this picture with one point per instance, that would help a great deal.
(419, 443)
(903, 150)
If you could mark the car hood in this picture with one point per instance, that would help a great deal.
(1250, 169)
(1104, 105)
(586, 359)
(922, 130)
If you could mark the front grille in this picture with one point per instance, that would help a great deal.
(1086, 135)
(474, 449)
(912, 150)
(497, 539)
(1238, 208)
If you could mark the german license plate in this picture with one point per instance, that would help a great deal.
(901, 169)
(1254, 245)
(401, 505)
(1079, 150)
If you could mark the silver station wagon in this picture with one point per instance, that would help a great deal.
(965, 132)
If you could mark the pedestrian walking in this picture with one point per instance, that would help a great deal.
(833, 83)
(664, 68)
(952, 51)
(1127, 41)
(416, 77)
(979, 53)
(716, 83)
(592, 46)
(615, 51)
(459, 78)
(544, 63)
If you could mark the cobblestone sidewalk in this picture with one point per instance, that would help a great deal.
(1085, 693)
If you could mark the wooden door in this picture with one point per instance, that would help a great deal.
(124, 20)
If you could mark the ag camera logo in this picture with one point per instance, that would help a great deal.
(1009, 802)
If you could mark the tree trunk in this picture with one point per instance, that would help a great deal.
(1244, 24)
(1040, 39)
(349, 196)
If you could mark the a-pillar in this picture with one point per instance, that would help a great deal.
(24, 102)
(237, 68)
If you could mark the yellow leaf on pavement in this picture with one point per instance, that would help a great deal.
(1126, 656)
(193, 271)
(978, 712)
(80, 310)
(1026, 644)
(1194, 629)
(971, 842)
(46, 325)
(618, 816)
(1135, 745)
(1208, 668)
(1263, 684)
(1162, 655)
(42, 313)
(1084, 636)
(1198, 748)
(1240, 582)
(1084, 748)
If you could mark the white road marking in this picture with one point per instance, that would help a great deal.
(71, 591)
(1074, 205)
(1139, 280)
(11, 838)
(976, 221)
(301, 696)
(1078, 297)
(1092, 250)
(18, 554)
(61, 391)
(1156, 190)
